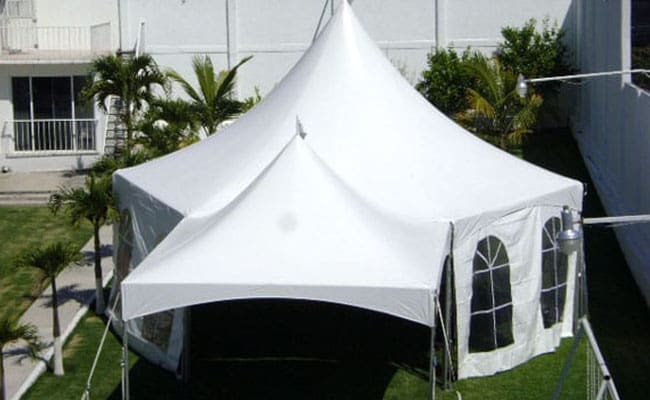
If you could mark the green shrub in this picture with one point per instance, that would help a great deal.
(445, 81)
(641, 59)
(534, 54)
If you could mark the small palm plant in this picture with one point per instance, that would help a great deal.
(496, 112)
(96, 204)
(214, 99)
(50, 260)
(12, 331)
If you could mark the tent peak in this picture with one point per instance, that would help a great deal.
(300, 131)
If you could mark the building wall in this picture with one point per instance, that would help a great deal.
(277, 32)
(613, 129)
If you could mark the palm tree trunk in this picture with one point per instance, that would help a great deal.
(128, 116)
(99, 287)
(503, 141)
(56, 332)
(2, 376)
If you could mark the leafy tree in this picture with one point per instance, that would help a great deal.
(214, 100)
(495, 111)
(131, 79)
(534, 54)
(167, 126)
(96, 204)
(445, 81)
(50, 260)
(11, 331)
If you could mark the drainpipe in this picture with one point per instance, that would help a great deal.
(119, 25)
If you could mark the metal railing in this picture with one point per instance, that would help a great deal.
(53, 135)
(19, 38)
(600, 384)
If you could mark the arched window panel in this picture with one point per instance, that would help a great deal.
(554, 274)
(491, 306)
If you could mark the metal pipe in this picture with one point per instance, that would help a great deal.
(586, 75)
(616, 220)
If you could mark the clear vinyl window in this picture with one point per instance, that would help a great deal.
(554, 274)
(491, 308)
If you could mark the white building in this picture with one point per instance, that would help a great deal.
(47, 46)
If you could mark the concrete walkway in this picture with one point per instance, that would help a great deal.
(76, 284)
(34, 187)
(76, 288)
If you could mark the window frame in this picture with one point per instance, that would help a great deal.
(495, 261)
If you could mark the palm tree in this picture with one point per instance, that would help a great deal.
(496, 112)
(168, 125)
(96, 204)
(214, 100)
(132, 80)
(50, 260)
(11, 331)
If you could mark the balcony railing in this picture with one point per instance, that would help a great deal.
(18, 9)
(53, 135)
(18, 39)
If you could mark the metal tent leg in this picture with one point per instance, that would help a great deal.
(125, 363)
(432, 361)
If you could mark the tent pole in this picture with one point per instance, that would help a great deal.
(125, 363)
(448, 301)
(448, 283)
(187, 325)
(432, 359)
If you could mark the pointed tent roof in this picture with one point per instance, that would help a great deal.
(313, 238)
(389, 164)
(372, 128)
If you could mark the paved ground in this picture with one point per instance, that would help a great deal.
(76, 284)
(34, 187)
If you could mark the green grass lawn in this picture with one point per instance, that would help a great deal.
(20, 228)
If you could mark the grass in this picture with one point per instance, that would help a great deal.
(300, 350)
(20, 228)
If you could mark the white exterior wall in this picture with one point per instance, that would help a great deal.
(613, 128)
(277, 32)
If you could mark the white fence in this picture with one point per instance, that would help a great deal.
(17, 38)
(52, 135)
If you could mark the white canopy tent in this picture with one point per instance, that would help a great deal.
(360, 204)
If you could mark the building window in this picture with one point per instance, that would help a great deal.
(491, 309)
(50, 116)
(554, 274)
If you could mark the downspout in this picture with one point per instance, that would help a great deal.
(119, 25)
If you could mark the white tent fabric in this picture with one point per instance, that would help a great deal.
(357, 212)
(296, 232)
